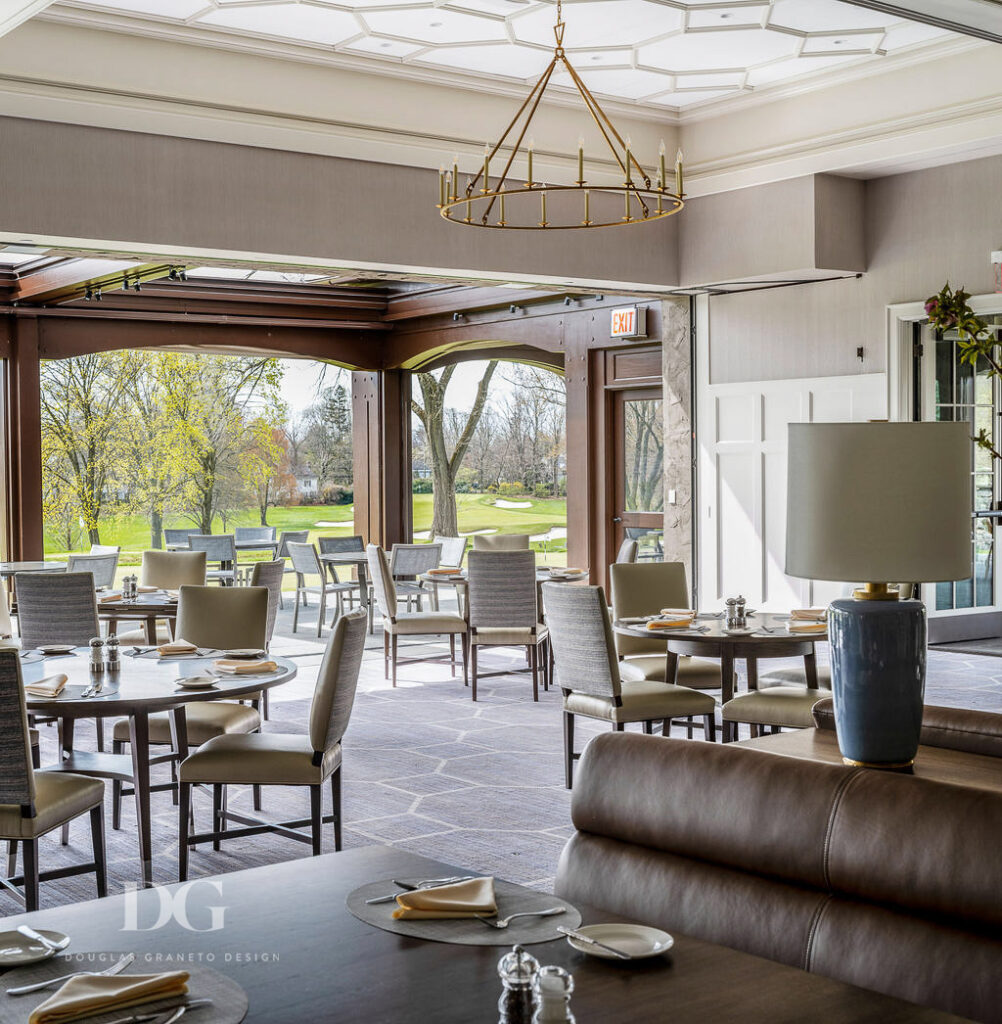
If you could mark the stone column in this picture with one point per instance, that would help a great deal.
(676, 349)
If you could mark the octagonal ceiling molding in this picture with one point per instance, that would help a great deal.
(654, 56)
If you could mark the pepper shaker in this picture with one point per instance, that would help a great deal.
(553, 987)
(111, 646)
(731, 619)
(517, 971)
(739, 608)
(97, 654)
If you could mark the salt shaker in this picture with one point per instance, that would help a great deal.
(111, 647)
(97, 654)
(731, 620)
(739, 608)
(517, 971)
(553, 987)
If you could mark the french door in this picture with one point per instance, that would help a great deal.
(638, 471)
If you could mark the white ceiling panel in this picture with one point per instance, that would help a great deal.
(659, 53)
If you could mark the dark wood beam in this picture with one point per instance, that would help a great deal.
(70, 278)
(25, 538)
(458, 298)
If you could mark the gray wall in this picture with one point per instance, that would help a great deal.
(922, 228)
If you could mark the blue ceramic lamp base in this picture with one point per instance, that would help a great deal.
(878, 657)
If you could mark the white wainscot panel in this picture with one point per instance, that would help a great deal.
(736, 418)
(739, 526)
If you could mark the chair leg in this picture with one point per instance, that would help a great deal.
(754, 729)
(183, 827)
(336, 795)
(64, 838)
(11, 858)
(116, 792)
(386, 655)
(568, 749)
(550, 658)
(99, 727)
(466, 658)
(36, 754)
(452, 654)
(257, 797)
(393, 657)
(217, 817)
(666, 727)
(710, 727)
(534, 665)
(323, 609)
(544, 658)
(316, 813)
(649, 728)
(295, 611)
(619, 727)
(473, 670)
(688, 728)
(97, 839)
(29, 857)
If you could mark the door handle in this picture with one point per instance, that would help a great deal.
(617, 519)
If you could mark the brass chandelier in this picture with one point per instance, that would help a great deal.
(531, 205)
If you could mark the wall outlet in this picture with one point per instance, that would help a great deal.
(996, 256)
(671, 498)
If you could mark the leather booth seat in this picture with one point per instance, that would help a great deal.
(887, 881)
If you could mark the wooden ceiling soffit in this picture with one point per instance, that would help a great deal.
(458, 298)
(72, 279)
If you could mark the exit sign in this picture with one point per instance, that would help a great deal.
(629, 322)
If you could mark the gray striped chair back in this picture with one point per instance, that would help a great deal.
(56, 608)
(270, 575)
(336, 545)
(382, 581)
(249, 534)
(584, 649)
(453, 549)
(335, 692)
(502, 589)
(102, 567)
(180, 536)
(17, 780)
(218, 547)
(410, 560)
(304, 559)
(288, 537)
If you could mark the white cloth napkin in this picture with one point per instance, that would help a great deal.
(50, 686)
(86, 996)
(177, 646)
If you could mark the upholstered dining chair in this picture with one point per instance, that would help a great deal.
(306, 562)
(219, 618)
(627, 551)
(644, 588)
(453, 549)
(34, 803)
(102, 567)
(502, 611)
(171, 570)
(409, 561)
(220, 548)
(284, 539)
(273, 759)
(397, 624)
(588, 673)
(500, 542)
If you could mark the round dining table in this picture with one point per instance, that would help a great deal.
(770, 638)
(144, 684)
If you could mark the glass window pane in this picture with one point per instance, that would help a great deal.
(643, 456)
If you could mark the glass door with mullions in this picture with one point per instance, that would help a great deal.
(954, 390)
(639, 454)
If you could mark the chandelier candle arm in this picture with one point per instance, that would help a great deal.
(678, 174)
(581, 161)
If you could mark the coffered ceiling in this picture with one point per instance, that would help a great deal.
(668, 55)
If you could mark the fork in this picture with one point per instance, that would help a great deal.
(24, 990)
(178, 1012)
(427, 883)
(505, 921)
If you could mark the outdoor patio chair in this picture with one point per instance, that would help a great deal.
(33, 803)
(105, 549)
(588, 673)
(407, 563)
(219, 548)
(254, 534)
(502, 611)
(397, 624)
(269, 575)
(453, 549)
(178, 539)
(271, 759)
(284, 538)
(215, 618)
(306, 562)
(101, 567)
(627, 552)
(644, 588)
(500, 542)
(337, 545)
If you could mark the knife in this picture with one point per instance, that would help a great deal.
(581, 937)
(30, 933)
(178, 1009)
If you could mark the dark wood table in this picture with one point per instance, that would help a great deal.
(147, 608)
(940, 763)
(289, 941)
(141, 687)
(360, 561)
(715, 643)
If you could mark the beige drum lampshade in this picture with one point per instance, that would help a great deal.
(879, 502)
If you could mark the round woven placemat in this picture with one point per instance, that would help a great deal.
(229, 1001)
(511, 899)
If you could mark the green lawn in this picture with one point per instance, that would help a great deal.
(476, 512)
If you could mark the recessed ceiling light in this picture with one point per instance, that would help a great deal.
(385, 46)
(596, 58)
(436, 24)
(838, 42)
(725, 15)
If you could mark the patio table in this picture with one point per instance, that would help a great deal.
(360, 561)
(716, 643)
(141, 687)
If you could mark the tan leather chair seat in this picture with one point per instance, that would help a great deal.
(692, 672)
(642, 701)
(421, 623)
(786, 706)
(269, 759)
(205, 721)
(59, 796)
(796, 675)
(503, 635)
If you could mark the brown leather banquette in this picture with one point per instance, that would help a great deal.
(886, 881)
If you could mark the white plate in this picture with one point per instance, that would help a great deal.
(15, 948)
(244, 652)
(196, 682)
(56, 648)
(636, 939)
(743, 631)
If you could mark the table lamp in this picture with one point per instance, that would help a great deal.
(878, 503)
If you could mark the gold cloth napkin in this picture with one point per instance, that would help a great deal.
(443, 572)
(108, 598)
(50, 686)
(173, 594)
(807, 627)
(87, 996)
(670, 623)
(463, 899)
(145, 588)
(809, 614)
(177, 646)
(239, 667)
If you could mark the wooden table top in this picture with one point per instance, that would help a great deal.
(939, 763)
(158, 603)
(768, 629)
(141, 683)
(289, 941)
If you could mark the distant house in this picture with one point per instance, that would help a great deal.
(307, 482)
